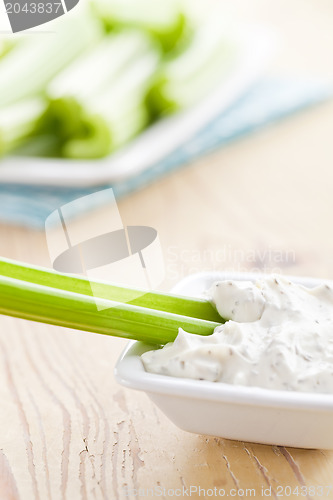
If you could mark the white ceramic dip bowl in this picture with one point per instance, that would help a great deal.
(286, 418)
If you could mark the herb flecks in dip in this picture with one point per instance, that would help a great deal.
(279, 336)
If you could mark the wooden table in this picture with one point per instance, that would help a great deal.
(67, 429)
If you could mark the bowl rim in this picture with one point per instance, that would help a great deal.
(129, 370)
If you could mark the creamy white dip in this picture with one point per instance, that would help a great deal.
(279, 336)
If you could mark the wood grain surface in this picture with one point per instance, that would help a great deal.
(67, 430)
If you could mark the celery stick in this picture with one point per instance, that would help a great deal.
(28, 68)
(7, 43)
(194, 307)
(45, 145)
(164, 21)
(45, 304)
(95, 70)
(186, 78)
(94, 140)
(100, 135)
(66, 117)
(120, 108)
(18, 123)
(67, 122)
(93, 118)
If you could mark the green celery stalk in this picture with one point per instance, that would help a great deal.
(45, 145)
(120, 107)
(28, 67)
(52, 305)
(97, 68)
(94, 116)
(194, 307)
(18, 123)
(165, 21)
(7, 43)
(191, 74)
(100, 135)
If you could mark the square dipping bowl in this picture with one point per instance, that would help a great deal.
(253, 414)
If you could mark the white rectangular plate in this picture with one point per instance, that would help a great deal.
(252, 414)
(255, 47)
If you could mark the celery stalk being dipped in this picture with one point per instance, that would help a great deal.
(93, 116)
(194, 307)
(46, 296)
